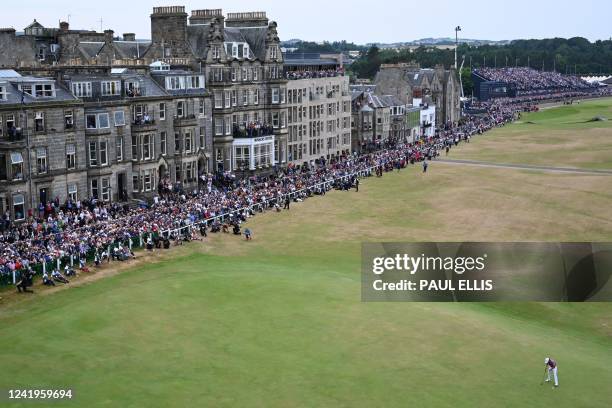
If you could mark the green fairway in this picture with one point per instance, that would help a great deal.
(562, 136)
(279, 322)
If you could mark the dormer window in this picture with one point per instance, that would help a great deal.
(245, 51)
(235, 50)
(2, 93)
(111, 88)
(44, 91)
(26, 89)
(81, 89)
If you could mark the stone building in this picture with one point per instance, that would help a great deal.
(42, 143)
(111, 136)
(318, 109)
(408, 81)
(371, 118)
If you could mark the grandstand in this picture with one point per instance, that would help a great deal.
(521, 81)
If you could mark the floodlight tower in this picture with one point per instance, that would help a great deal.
(457, 29)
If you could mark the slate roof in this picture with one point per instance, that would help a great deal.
(197, 37)
(14, 95)
(391, 100)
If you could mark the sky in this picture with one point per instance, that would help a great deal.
(359, 21)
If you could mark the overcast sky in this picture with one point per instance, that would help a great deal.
(360, 21)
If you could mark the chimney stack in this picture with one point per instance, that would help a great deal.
(108, 36)
(64, 26)
(129, 37)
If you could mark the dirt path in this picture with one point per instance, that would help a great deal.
(526, 167)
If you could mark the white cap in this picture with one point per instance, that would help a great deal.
(546, 360)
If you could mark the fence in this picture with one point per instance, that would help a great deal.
(134, 242)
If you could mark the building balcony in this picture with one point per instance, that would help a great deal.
(13, 138)
(144, 126)
(242, 133)
(189, 120)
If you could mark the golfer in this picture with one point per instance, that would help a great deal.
(551, 367)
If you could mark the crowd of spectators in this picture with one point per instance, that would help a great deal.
(529, 80)
(104, 231)
(252, 129)
(305, 74)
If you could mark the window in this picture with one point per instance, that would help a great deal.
(275, 95)
(132, 89)
(241, 157)
(180, 109)
(81, 89)
(203, 138)
(283, 120)
(234, 74)
(218, 100)
(283, 95)
(255, 74)
(162, 111)
(72, 192)
(93, 188)
(275, 120)
(93, 154)
(147, 180)
(119, 148)
(234, 98)
(3, 169)
(39, 122)
(135, 182)
(71, 156)
(218, 126)
(119, 118)
(216, 52)
(26, 89)
(235, 50)
(174, 83)
(245, 97)
(178, 172)
(273, 52)
(245, 73)
(194, 82)
(97, 121)
(177, 142)
(201, 108)
(19, 207)
(256, 97)
(274, 72)
(148, 147)
(191, 171)
(134, 148)
(111, 88)
(17, 166)
(106, 189)
(41, 160)
(68, 120)
(228, 126)
(228, 97)
(188, 142)
(103, 154)
(2, 93)
(163, 143)
(245, 51)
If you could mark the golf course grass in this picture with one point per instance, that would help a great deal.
(279, 322)
(563, 136)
